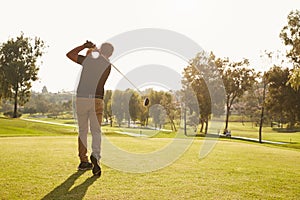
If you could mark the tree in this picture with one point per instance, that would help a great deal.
(294, 79)
(107, 106)
(2, 82)
(237, 79)
(42, 104)
(290, 34)
(282, 101)
(45, 90)
(264, 83)
(168, 103)
(262, 115)
(190, 106)
(156, 110)
(67, 105)
(201, 79)
(126, 95)
(55, 109)
(18, 68)
(117, 106)
(158, 114)
(5, 105)
(134, 106)
(143, 114)
(195, 86)
(251, 102)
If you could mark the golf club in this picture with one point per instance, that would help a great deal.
(146, 100)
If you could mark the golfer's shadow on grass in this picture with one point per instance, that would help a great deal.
(63, 190)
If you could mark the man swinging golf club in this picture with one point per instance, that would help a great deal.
(89, 100)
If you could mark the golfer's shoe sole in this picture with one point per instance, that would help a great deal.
(96, 168)
(85, 166)
(84, 169)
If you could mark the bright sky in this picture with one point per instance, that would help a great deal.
(230, 28)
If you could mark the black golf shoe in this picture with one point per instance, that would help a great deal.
(85, 166)
(96, 166)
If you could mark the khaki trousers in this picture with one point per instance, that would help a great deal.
(89, 115)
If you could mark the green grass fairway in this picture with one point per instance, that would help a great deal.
(247, 130)
(38, 167)
(17, 127)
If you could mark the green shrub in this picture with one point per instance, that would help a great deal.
(11, 114)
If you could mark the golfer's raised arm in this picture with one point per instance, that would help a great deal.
(73, 54)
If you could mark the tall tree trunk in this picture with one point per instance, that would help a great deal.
(227, 116)
(202, 125)
(175, 129)
(172, 124)
(111, 121)
(206, 126)
(228, 106)
(15, 115)
(262, 113)
(172, 127)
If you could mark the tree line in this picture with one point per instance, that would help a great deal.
(127, 107)
(44, 104)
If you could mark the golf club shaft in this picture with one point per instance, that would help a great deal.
(121, 73)
(126, 78)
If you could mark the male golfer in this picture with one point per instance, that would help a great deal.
(89, 100)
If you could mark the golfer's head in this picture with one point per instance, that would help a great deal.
(106, 49)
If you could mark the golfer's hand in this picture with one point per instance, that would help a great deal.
(89, 44)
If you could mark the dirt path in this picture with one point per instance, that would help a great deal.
(75, 126)
(139, 135)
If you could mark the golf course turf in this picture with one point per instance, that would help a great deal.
(41, 164)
